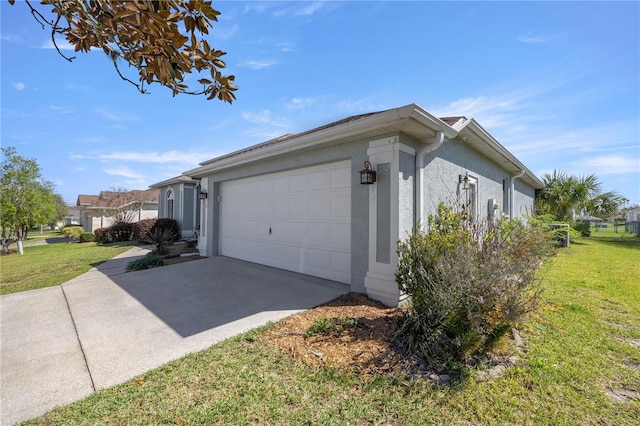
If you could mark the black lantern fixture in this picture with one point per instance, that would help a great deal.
(367, 175)
(464, 180)
(202, 194)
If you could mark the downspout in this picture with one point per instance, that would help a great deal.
(420, 175)
(512, 192)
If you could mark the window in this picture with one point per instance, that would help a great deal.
(469, 195)
(170, 204)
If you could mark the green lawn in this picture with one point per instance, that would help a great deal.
(581, 344)
(53, 264)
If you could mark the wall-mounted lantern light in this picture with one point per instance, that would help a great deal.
(464, 180)
(367, 175)
(202, 194)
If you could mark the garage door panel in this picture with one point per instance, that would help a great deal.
(340, 206)
(308, 212)
(340, 177)
(297, 208)
(318, 207)
(340, 236)
(319, 180)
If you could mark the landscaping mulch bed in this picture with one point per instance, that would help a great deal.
(365, 349)
(368, 348)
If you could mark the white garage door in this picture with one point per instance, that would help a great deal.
(298, 220)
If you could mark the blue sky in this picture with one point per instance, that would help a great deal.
(558, 84)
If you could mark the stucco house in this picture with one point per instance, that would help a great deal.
(300, 203)
(180, 201)
(97, 211)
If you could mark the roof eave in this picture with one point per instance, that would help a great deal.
(499, 151)
(398, 118)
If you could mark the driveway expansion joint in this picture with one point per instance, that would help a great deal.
(75, 329)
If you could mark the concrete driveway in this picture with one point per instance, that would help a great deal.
(62, 343)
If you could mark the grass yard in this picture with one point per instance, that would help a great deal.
(582, 367)
(53, 264)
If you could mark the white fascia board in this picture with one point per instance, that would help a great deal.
(174, 180)
(343, 131)
(500, 150)
(426, 118)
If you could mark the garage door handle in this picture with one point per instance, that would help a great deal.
(269, 230)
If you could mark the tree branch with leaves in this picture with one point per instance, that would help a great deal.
(163, 39)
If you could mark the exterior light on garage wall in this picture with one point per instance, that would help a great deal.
(464, 180)
(202, 194)
(367, 175)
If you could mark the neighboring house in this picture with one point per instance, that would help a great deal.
(297, 202)
(632, 215)
(179, 200)
(97, 211)
(72, 217)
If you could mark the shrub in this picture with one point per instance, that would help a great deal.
(87, 237)
(146, 262)
(142, 228)
(121, 231)
(103, 236)
(468, 283)
(72, 232)
(161, 238)
(329, 326)
(584, 228)
(170, 224)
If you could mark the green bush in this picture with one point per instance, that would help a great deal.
(87, 237)
(170, 225)
(161, 238)
(72, 232)
(468, 283)
(329, 326)
(584, 228)
(121, 231)
(149, 261)
(142, 228)
(103, 236)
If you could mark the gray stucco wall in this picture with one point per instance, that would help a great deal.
(453, 158)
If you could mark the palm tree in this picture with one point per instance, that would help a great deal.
(565, 195)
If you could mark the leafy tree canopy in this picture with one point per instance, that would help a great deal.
(162, 39)
(565, 196)
(26, 200)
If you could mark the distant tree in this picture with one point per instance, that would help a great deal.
(26, 199)
(60, 211)
(123, 206)
(162, 39)
(565, 196)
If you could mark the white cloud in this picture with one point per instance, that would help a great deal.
(258, 64)
(61, 109)
(298, 103)
(533, 39)
(223, 33)
(262, 117)
(124, 172)
(285, 47)
(62, 45)
(10, 37)
(178, 158)
(116, 115)
(19, 86)
(615, 164)
(308, 9)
